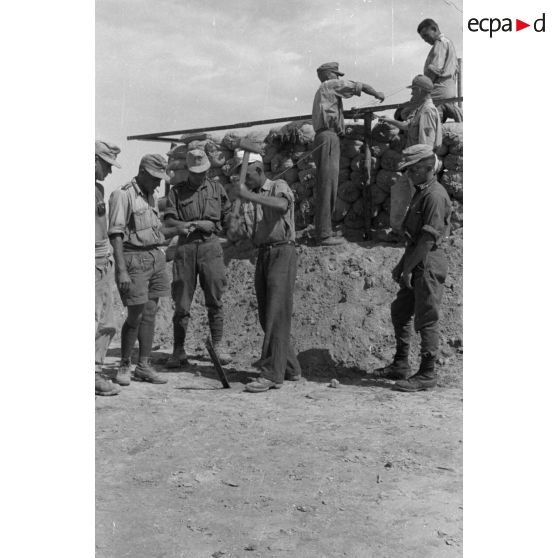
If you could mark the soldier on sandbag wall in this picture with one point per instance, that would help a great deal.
(441, 67)
(105, 328)
(329, 124)
(268, 220)
(421, 273)
(197, 206)
(137, 237)
(423, 123)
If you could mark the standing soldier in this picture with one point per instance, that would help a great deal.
(269, 222)
(197, 207)
(328, 122)
(136, 236)
(420, 273)
(105, 159)
(423, 123)
(441, 67)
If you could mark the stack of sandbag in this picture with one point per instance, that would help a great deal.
(451, 177)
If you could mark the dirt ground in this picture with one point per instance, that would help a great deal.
(189, 469)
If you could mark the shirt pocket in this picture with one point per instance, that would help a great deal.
(212, 209)
(144, 219)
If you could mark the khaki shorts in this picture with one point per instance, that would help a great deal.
(148, 277)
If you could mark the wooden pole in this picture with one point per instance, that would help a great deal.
(460, 81)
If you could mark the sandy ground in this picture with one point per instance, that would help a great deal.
(189, 469)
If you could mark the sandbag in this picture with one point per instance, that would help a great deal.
(381, 221)
(358, 162)
(377, 196)
(229, 167)
(453, 162)
(456, 218)
(301, 191)
(357, 177)
(385, 179)
(383, 132)
(353, 221)
(297, 151)
(341, 209)
(399, 142)
(378, 149)
(198, 144)
(231, 140)
(452, 136)
(289, 175)
(280, 163)
(305, 162)
(349, 191)
(452, 181)
(269, 152)
(351, 148)
(217, 155)
(391, 160)
(200, 136)
(344, 175)
(307, 175)
(442, 150)
(297, 132)
(358, 207)
(344, 162)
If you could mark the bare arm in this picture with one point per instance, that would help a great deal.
(401, 125)
(369, 90)
(122, 277)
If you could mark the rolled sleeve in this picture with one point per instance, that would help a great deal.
(435, 217)
(282, 190)
(346, 88)
(119, 213)
(170, 208)
(437, 59)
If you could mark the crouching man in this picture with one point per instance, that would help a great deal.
(420, 273)
(269, 222)
(136, 235)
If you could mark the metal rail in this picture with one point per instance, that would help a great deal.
(356, 113)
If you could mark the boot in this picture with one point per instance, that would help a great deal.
(104, 386)
(124, 374)
(425, 379)
(178, 358)
(399, 369)
(223, 356)
(144, 372)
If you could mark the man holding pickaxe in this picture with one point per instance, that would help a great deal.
(197, 206)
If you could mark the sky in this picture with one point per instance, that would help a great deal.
(176, 64)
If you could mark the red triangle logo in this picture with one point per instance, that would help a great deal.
(519, 25)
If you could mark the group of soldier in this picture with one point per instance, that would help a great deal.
(199, 212)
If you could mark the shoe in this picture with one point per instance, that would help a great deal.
(293, 377)
(105, 387)
(331, 241)
(222, 355)
(124, 374)
(177, 360)
(397, 370)
(144, 372)
(416, 383)
(261, 384)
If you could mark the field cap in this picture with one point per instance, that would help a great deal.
(332, 67)
(425, 83)
(178, 152)
(107, 152)
(239, 155)
(155, 165)
(197, 161)
(415, 153)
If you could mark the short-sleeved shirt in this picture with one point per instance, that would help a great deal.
(102, 245)
(430, 212)
(327, 111)
(135, 216)
(425, 126)
(268, 226)
(441, 67)
(207, 202)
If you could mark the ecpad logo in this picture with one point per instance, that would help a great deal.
(494, 24)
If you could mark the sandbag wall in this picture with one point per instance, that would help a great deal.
(288, 155)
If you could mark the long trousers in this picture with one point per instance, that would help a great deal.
(327, 178)
(423, 302)
(193, 260)
(105, 328)
(275, 281)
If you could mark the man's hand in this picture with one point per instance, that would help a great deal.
(187, 228)
(123, 280)
(380, 96)
(238, 190)
(205, 226)
(396, 272)
(405, 280)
